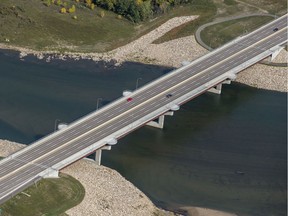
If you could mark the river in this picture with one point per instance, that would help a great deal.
(227, 152)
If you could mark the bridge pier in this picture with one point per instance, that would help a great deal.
(159, 122)
(218, 88)
(98, 154)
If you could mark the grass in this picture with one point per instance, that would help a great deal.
(29, 23)
(205, 12)
(49, 197)
(230, 2)
(277, 7)
(219, 34)
(215, 9)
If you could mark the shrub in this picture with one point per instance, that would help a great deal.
(63, 10)
(59, 2)
(72, 9)
(47, 3)
(102, 13)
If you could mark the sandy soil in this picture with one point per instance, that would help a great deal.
(196, 211)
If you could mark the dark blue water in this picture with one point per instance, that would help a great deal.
(33, 93)
(227, 151)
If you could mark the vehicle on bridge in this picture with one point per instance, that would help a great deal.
(129, 99)
(169, 95)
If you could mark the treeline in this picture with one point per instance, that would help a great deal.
(139, 10)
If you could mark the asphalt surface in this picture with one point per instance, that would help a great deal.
(19, 170)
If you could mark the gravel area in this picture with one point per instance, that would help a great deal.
(196, 211)
(108, 193)
(8, 147)
(267, 77)
(186, 48)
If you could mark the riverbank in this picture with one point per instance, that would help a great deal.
(172, 54)
(108, 193)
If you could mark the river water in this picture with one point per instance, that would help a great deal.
(227, 152)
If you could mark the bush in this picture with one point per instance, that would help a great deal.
(59, 2)
(72, 9)
(102, 13)
(47, 3)
(63, 10)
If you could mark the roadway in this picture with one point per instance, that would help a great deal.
(24, 167)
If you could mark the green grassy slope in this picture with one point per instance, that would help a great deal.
(47, 197)
(30, 23)
(221, 33)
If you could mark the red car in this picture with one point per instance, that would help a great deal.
(129, 99)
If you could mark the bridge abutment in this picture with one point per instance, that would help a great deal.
(51, 173)
(275, 53)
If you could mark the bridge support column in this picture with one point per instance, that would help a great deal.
(216, 89)
(98, 153)
(159, 122)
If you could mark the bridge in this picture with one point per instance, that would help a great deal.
(101, 129)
